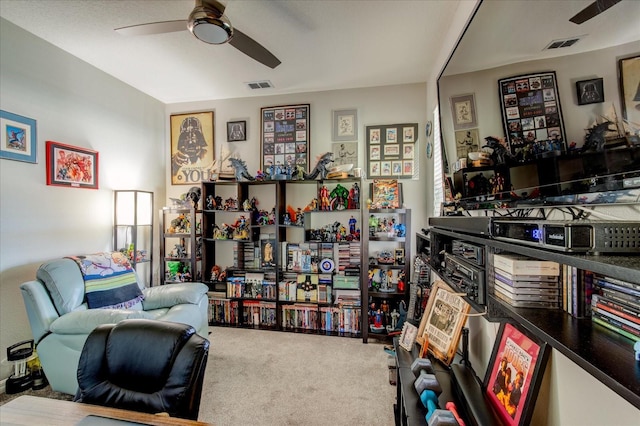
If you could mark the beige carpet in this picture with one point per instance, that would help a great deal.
(278, 378)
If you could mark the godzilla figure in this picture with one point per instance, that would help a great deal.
(500, 154)
(240, 168)
(594, 139)
(321, 169)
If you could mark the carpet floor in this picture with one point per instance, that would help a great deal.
(277, 378)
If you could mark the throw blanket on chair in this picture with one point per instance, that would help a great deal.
(109, 279)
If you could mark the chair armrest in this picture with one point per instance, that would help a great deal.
(40, 308)
(84, 321)
(169, 295)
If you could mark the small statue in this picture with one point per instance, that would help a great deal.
(500, 153)
(321, 169)
(594, 139)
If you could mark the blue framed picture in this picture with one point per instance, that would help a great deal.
(18, 140)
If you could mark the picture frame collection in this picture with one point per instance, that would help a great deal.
(392, 151)
(285, 136)
(531, 114)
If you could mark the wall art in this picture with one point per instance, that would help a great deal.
(389, 147)
(71, 166)
(442, 322)
(590, 91)
(345, 153)
(345, 125)
(514, 374)
(531, 114)
(285, 136)
(236, 131)
(192, 147)
(629, 72)
(463, 111)
(19, 141)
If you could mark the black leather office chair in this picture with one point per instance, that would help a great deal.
(144, 365)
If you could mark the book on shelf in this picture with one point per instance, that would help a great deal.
(517, 281)
(526, 303)
(524, 265)
(621, 323)
(307, 289)
(607, 323)
(620, 309)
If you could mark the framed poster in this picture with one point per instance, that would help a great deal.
(391, 151)
(71, 166)
(285, 136)
(192, 147)
(590, 91)
(19, 140)
(345, 153)
(531, 114)
(345, 125)
(442, 321)
(386, 194)
(236, 131)
(629, 72)
(514, 374)
(463, 111)
(467, 141)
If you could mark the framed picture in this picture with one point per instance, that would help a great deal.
(345, 153)
(467, 141)
(282, 125)
(19, 140)
(388, 146)
(629, 72)
(236, 131)
(531, 114)
(192, 147)
(408, 336)
(590, 91)
(345, 125)
(386, 193)
(71, 166)
(442, 322)
(514, 374)
(463, 111)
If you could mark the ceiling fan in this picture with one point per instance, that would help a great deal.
(594, 9)
(208, 23)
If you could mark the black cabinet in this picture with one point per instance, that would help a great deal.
(606, 355)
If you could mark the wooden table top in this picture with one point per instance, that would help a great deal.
(33, 410)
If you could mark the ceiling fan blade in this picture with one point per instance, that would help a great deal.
(153, 28)
(252, 48)
(594, 9)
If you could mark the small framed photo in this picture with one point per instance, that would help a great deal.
(407, 135)
(407, 167)
(374, 152)
(71, 166)
(408, 336)
(514, 374)
(236, 131)
(590, 91)
(374, 168)
(19, 140)
(463, 110)
(374, 135)
(444, 317)
(391, 150)
(392, 135)
(396, 167)
(408, 152)
(345, 125)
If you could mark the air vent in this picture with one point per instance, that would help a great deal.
(264, 84)
(567, 42)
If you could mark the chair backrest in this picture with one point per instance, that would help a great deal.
(144, 365)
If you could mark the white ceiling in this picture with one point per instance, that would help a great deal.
(323, 44)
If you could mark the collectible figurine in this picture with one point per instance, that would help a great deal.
(321, 169)
(241, 171)
(325, 203)
(352, 225)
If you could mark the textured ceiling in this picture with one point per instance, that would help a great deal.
(323, 44)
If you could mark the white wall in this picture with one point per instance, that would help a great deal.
(376, 105)
(76, 104)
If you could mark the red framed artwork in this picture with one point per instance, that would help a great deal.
(71, 166)
(514, 374)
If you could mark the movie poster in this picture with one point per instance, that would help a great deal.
(192, 148)
(512, 373)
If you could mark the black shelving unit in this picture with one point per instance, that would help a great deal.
(604, 354)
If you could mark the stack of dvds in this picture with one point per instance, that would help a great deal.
(615, 304)
(523, 282)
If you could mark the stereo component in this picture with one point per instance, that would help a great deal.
(468, 251)
(468, 278)
(571, 236)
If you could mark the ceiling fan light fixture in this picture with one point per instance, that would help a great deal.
(209, 26)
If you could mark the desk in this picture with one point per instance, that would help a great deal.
(32, 410)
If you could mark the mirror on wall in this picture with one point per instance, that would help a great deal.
(507, 43)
